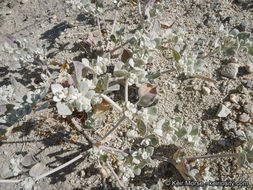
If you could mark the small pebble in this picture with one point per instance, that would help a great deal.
(234, 98)
(249, 84)
(248, 108)
(249, 68)
(244, 118)
(230, 70)
(243, 26)
(223, 111)
(229, 125)
(206, 90)
(241, 135)
(24, 1)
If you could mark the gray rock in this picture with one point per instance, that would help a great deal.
(240, 135)
(248, 108)
(229, 125)
(243, 26)
(244, 118)
(223, 111)
(230, 70)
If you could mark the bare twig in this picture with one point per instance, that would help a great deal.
(80, 129)
(115, 127)
(10, 180)
(126, 91)
(115, 175)
(62, 166)
(140, 14)
(212, 156)
(99, 28)
(106, 148)
(120, 46)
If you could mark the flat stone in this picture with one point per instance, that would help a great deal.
(244, 117)
(230, 70)
(223, 111)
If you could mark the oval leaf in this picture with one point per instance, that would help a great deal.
(63, 109)
(147, 93)
(37, 170)
(142, 129)
(28, 160)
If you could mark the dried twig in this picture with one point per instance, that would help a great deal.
(86, 135)
(126, 91)
(115, 175)
(99, 28)
(62, 166)
(115, 127)
(10, 180)
(212, 156)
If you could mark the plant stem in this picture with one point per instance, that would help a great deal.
(109, 100)
(10, 180)
(61, 167)
(115, 175)
(212, 156)
(120, 46)
(86, 135)
(205, 78)
(99, 28)
(107, 148)
(140, 14)
(115, 127)
(126, 91)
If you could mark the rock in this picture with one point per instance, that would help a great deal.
(240, 135)
(248, 108)
(243, 26)
(24, 1)
(244, 118)
(206, 90)
(249, 84)
(249, 68)
(230, 70)
(234, 98)
(223, 111)
(229, 125)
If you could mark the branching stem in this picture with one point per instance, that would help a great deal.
(109, 100)
(115, 175)
(115, 127)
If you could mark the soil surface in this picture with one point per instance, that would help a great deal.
(53, 24)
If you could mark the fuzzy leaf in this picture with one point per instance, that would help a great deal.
(142, 129)
(63, 109)
(243, 35)
(176, 55)
(56, 88)
(181, 132)
(153, 139)
(126, 55)
(78, 70)
(28, 160)
(241, 158)
(147, 93)
(250, 50)
(37, 170)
